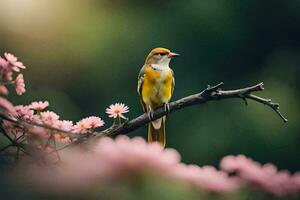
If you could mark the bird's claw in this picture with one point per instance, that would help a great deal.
(167, 108)
(150, 115)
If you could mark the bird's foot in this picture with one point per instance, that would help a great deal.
(151, 115)
(167, 108)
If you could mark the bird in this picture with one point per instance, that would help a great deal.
(156, 84)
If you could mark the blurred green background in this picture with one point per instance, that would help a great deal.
(83, 55)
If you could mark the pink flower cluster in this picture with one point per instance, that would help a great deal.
(9, 65)
(266, 177)
(35, 112)
(117, 159)
(126, 155)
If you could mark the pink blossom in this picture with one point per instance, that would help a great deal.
(6, 71)
(84, 125)
(81, 127)
(14, 63)
(19, 65)
(10, 58)
(62, 138)
(111, 160)
(3, 90)
(20, 85)
(94, 122)
(117, 159)
(3, 63)
(117, 110)
(39, 105)
(49, 117)
(63, 125)
(23, 112)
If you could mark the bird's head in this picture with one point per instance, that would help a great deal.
(160, 56)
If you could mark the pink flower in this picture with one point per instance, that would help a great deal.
(117, 110)
(111, 160)
(20, 85)
(6, 71)
(19, 65)
(3, 90)
(62, 138)
(49, 117)
(39, 105)
(23, 112)
(63, 125)
(94, 122)
(3, 63)
(14, 63)
(84, 125)
(81, 127)
(10, 58)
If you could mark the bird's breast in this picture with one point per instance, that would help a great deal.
(157, 85)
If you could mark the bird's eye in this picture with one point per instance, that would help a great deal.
(162, 54)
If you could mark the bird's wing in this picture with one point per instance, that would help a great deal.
(140, 87)
(173, 82)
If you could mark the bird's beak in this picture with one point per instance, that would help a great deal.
(172, 54)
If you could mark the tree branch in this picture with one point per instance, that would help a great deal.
(211, 93)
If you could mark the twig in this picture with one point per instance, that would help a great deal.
(268, 102)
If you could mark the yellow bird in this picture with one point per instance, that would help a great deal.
(155, 87)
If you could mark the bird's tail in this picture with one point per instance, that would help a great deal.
(157, 131)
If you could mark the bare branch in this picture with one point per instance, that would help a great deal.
(268, 102)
